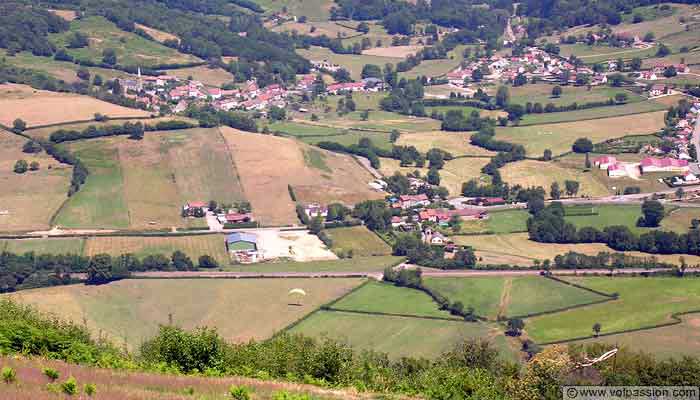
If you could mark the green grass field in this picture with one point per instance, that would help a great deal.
(380, 139)
(606, 215)
(58, 69)
(358, 239)
(508, 221)
(301, 129)
(376, 297)
(131, 310)
(542, 93)
(351, 62)
(495, 297)
(100, 203)
(44, 246)
(131, 49)
(596, 54)
(643, 302)
(436, 67)
(593, 113)
(400, 336)
(314, 10)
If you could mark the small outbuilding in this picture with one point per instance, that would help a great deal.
(243, 247)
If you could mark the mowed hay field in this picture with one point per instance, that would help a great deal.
(32, 198)
(141, 246)
(44, 246)
(517, 249)
(457, 143)
(452, 176)
(400, 336)
(268, 165)
(144, 184)
(640, 107)
(540, 173)
(542, 93)
(131, 310)
(561, 136)
(40, 107)
(643, 302)
(508, 297)
(358, 239)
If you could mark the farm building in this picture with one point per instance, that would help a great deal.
(193, 208)
(617, 170)
(413, 200)
(651, 164)
(243, 247)
(235, 218)
(658, 90)
(604, 162)
(316, 210)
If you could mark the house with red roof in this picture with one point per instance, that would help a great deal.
(650, 164)
(617, 170)
(604, 162)
(407, 201)
(346, 87)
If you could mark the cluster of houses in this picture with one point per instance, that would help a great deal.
(616, 168)
(533, 63)
(199, 209)
(657, 71)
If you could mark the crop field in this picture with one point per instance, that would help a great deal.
(670, 341)
(209, 76)
(494, 297)
(540, 173)
(457, 143)
(401, 336)
(352, 63)
(39, 107)
(630, 311)
(542, 93)
(358, 239)
(517, 249)
(144, 184)
(32, 198)
(560, 137)
(452, 176)
(131, 49)
(640, 107)
(141, 246)
(131, 310)
(355, 264)
(44, 246)
(258, 158)
(377, 297)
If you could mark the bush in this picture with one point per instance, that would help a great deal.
(51, 373)
(9, 375)
(70, 386)
(284, 395)
(239, 392)
(90, 389)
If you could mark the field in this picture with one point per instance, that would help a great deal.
(45, 132)
(606, 215)
(358, 239)
(66, 71)
(130, 311)
(679, 220)
(400, 52)
(630, 311)
(39, 107)
(352, 63)
(540, 173)
(32, 198)
(216, 77)
(330, 29)
(130, 48)
(495, 297)
(141, 246)
(314, 10)
(156, 34)
(560, 137)
(505, 221)
(542, 93)
(436, 67)
(466, 110)
(383, 120)
(452, 176)
(379, 139)
(639, 107)
(258, 158)
(457, 143)
(517, 249)
(400, 336)
(596, 54)
(44, 246)
(356, 264)
(144, 184)
(376, 297)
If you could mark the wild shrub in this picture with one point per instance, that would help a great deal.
(9, 375)
(51, 373)
(239, 392)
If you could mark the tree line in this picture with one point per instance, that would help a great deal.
(135, 130)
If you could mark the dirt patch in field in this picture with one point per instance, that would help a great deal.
(394, 51)
(268, 165)
(40, 107)
(68, 15)
(157, 34)
(299, 246)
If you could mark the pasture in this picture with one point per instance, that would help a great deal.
(457, 143)
(679, 220)
(379, 139)
(258, 158)
(156, 34)
(432, 68)
(45, 132)
(130, 311)
(317, 28)
(314, 10)
(401, 336)
(630, 311)
(400, 52)
(540, 173)
(32, 198)
(606, 215)
(507, 297)
(141, 246)
(378, 297)
(130, 48)
(452, 176)
(542, 93)
(40, 107)
(64, 70)
(358, 239)
(216, 77)
(596, 54)
(560, 137)
(640, 107)
(351, 62)
(383, 121)
(44, 246)
(517, 249)
(355, 264)
(508, 221)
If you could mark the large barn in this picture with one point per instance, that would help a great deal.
(242, 246)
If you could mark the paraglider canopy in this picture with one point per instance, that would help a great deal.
(297, 292)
